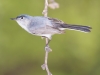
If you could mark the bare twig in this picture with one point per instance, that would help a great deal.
(45, 11)
(52, 5)
(47, 49)
(45, 65)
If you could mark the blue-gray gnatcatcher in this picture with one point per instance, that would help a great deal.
(46, 26)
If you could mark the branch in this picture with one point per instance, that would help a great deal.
(52, 4)
(45, 11)
(47, 49)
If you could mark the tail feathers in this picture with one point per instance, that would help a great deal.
(77, 27)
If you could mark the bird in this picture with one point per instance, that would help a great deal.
(46, 27)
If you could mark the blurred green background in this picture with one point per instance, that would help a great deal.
(74, 53)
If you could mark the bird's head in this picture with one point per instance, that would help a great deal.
(22, 20)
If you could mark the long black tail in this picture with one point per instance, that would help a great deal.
(77, 27)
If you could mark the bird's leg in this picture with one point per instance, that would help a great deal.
(47, 50)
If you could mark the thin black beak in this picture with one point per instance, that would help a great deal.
(13, 18)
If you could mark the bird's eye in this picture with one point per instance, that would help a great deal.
(21, 17)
